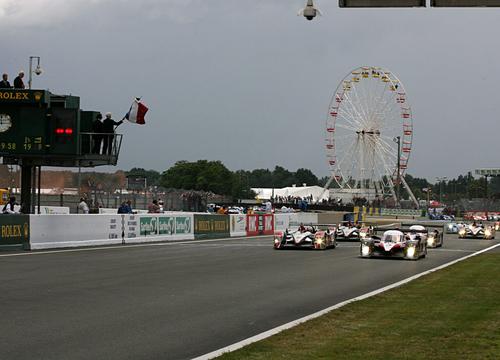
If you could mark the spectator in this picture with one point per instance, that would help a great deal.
(108, 127)
(97, 137)
(18, 81)
(154, 208)
(5, 84)
(221, 210)
(9, 207)
(125, 208)
(83, 207)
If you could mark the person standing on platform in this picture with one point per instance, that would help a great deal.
(18, 81)
(108, 128)
(97, 134)
(5, 84)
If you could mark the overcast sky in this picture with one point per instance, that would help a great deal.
(248, 82)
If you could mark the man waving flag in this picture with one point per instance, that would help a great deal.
(137, 112)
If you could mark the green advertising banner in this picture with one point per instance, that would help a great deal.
(211, 226)
(183, 225)
(14, 231)
(148, 225)
(166, 225)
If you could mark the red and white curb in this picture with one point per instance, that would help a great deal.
(294, 323)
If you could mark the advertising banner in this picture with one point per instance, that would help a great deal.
(183, 225)
(14, 230)
(148, 225)
(166, 225)
(238, 224)
(260, 224)
(158, 227)
(211, 226)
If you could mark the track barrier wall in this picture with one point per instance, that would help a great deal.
(37, 232)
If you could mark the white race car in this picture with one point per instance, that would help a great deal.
(348, 231)
(306, 236)
(477, 231)
(394, 243)
(433, 238)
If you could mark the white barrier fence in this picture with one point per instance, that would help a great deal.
(58, 231)
(78, 230)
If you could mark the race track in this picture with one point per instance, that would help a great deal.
(178, 301)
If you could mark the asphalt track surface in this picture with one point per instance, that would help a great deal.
(179, 301)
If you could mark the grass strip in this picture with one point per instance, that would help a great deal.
(450, 314)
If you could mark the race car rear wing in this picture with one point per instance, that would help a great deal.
(406, 229)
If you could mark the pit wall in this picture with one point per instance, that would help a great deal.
(36, 232)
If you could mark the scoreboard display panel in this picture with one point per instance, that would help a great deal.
(23, 125)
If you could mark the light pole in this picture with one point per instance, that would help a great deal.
(397, 140)
(37, 71)
(440, 181)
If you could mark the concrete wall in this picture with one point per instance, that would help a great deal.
(75, 230)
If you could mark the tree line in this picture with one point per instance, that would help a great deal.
(214, 176)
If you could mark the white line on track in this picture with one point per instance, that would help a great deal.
(294, 323)
(129, 246)
(452, 250)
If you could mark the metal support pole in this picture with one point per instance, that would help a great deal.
(398, 184)
(39, 186)
(38, 71)
(26, 174)
(33, 189)
(30, 78)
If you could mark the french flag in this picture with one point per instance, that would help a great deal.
(137, 112)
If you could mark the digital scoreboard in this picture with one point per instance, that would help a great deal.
(42, 128)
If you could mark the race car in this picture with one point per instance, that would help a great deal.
(477, 231)
(452, 228)
(307, 237)
(394, 243)
(348, 231)
(433, 238)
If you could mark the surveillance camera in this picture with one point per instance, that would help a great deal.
(38, 71)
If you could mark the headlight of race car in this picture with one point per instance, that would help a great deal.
(362, 234)
(487, 233)
(410, 252)
(461, 232)
(431, 240)
(365, 250)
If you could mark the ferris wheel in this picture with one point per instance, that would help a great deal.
(369, 134)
